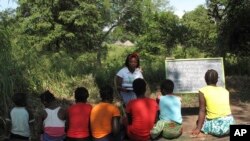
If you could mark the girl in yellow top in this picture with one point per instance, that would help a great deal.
(214, 112)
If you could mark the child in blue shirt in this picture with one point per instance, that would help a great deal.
(170, 118)
(20, 120)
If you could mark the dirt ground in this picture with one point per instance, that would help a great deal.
(240, 112)
(240, 106)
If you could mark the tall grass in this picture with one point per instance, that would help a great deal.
(33, 71)
(6, 71)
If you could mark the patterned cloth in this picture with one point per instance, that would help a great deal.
(219, 126)
(169, 129)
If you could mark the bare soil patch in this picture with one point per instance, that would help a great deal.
(239, 88)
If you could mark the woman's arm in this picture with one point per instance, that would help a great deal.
(116, 125)
(202, 114)
(31, 123)
(41, 118)
(119, 84)
(8, 125)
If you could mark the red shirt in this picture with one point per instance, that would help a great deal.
(79, 115)
(143, 112)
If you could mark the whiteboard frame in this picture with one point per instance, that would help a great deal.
(221, 78)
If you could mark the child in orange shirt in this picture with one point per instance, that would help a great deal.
(105, 118)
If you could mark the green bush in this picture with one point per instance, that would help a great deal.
(33, 71)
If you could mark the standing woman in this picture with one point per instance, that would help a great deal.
(126, 76)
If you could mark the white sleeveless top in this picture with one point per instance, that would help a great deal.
(53, 126)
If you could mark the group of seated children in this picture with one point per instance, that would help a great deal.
(146, 119)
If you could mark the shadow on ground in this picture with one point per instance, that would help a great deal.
(187, 111)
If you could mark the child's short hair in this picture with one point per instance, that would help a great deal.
(19, 99)
(81, 94)
(106, 92)
(167, 86)
(47, 96)
(139, 86)
(211, 77)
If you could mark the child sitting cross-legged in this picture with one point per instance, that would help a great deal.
(169, 124)
(215, 115)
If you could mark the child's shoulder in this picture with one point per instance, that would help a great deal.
(171, 96)
(177, 97)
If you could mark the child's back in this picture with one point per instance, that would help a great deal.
(53, 125)
(20, 118)
(52, 118)
(105, 117)
(170, 118)
(215, 115)
(78, 117)
(141, 113)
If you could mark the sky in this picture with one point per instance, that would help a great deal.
(179, 6)
(182, 6)
(4, 4)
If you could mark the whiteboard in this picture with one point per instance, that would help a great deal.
(188, 74)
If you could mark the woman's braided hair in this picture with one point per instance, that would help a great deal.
(211, 77)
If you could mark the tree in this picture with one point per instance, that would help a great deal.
(7, 65)
(162, 34)
(200, 31)
(232, 19)
(217, 9)
(234, 30)
(141, 16)
(76, 25)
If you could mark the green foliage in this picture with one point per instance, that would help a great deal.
(217, 9)
(80, 25)
(53, 25)
(183, 52)
(153, 68)
(234, 34)
(120, 34)
(6, 71)
(201, 32)
(77, 25)
(236, 65)
(62, 73)
(162, 34)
